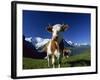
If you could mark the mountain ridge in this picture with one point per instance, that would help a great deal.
(36, 47)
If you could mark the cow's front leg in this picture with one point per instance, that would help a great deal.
(53, 61)
(58, 60)
(48, 61)
(58, 63)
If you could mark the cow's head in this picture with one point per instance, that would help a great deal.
(57, 29)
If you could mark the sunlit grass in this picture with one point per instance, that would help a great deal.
(82, 59)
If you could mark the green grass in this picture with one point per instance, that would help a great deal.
(29, 63)
(82, 59)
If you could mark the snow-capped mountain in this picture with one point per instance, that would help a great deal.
(77, 44)
(67, 43)
(36, 47)
(29, 39)
(38, 42)
(70, 42)
(29, 50)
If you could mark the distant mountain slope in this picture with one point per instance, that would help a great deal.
(38, 42)
(36, 48)
(29, 50)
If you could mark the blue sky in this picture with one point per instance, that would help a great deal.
(36, 22)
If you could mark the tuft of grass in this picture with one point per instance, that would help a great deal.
(82, 59)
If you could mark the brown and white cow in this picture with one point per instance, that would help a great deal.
(56, 45)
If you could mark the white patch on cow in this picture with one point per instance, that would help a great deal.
(49, 48)
(56, 29)
(49, 52)
(56, 32)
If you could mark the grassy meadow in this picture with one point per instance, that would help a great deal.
(82, 59)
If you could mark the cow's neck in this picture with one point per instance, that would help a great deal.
(58, 40)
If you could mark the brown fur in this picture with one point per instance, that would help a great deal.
(54, 46)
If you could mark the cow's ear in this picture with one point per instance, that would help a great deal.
(49, 28)
(64, 27)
